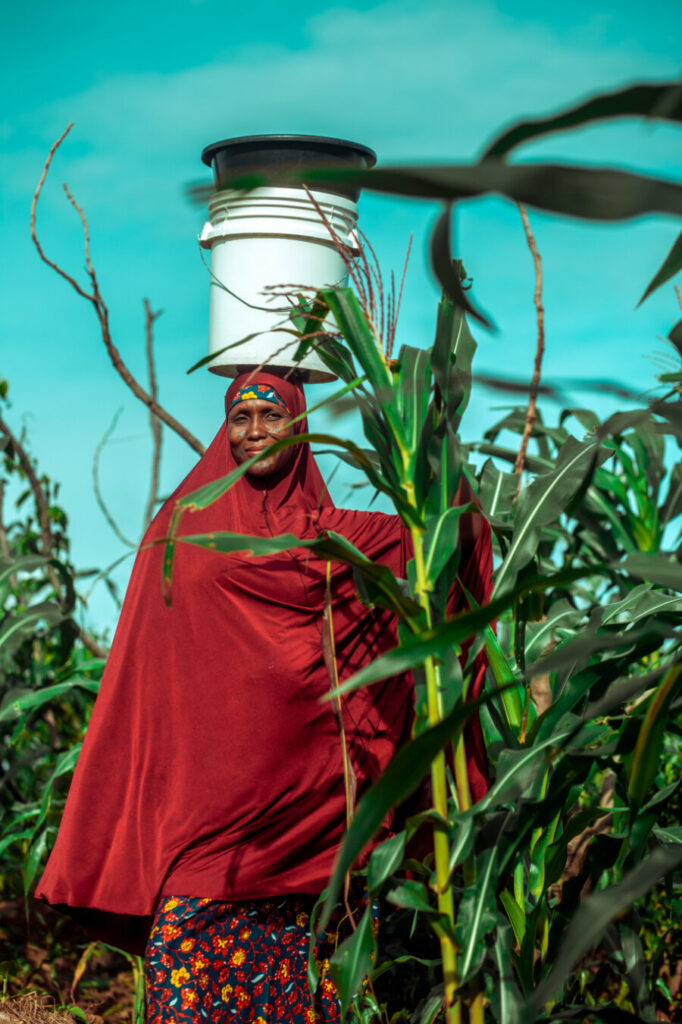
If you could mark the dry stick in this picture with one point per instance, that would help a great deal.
(349, 776)
(4, 543)
(96, 488)
(540, 318)
(154, 421)
(45, 532)
(100, 307)
(38, 495)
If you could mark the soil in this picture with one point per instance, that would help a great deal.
(43, 978)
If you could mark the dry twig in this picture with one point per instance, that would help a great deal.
(540, 319)
(96, 488)
(4, 543)
(39, 495)
(46, 538)
(100, 307)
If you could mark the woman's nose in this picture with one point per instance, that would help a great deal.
(257, 427)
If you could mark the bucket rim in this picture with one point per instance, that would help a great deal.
(322, 144)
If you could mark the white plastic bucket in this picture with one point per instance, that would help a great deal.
(270, 238)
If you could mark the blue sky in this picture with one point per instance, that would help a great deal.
(149, 85)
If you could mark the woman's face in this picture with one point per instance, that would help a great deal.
(253, 425)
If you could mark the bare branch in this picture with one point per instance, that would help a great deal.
(678, 292)
(4, 543)
(539, 351)
(154, 421)
(46, 534)
(89, 641)
(101, 310)
(34, 203)
(39, 496)
(95, 484)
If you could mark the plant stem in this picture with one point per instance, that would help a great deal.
(441, 845)
(464, 798)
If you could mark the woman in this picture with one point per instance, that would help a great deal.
(210, 789)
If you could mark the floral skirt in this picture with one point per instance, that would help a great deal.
(208, 961)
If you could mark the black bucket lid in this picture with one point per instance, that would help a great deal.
(286, 153)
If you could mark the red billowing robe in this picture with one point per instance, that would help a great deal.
(210, 767)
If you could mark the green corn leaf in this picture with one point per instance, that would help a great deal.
(384, 860)
(16, 628)
(672, 264)
(65, 763)
(401, 777)
(675, 338)
(14, 837)
(410, 895)
(451, 357)
(515, 913)
(351, 320)
(34, 859)
(407, 958)
(541, 503)
(641, 603)
(561, 616)
(633, 954)
(656, 568)
(584, 192)
(593, 915)
(476, 916)
(505, 997)
(431, 1008)
(659, 100)
(650, 740)
(12, 707)
(204, 496)
(446, 270)
(413, 387)
(214, 355)
(518, 770)
(576, 652)
(513, 697)
(539, 857)
(329, 546)
(534, 463)
(672, 834)
(672, 506)
(330, 400)
(27, 563)
(309, 321)
(461, 839)
(352, 961)
(496, 492)
(438, 641)
(440, 541)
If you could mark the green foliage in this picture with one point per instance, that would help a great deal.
(557, 895)
(47, 679)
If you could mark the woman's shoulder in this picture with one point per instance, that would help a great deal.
(358, 526)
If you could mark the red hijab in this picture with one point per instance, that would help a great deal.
(210, 767)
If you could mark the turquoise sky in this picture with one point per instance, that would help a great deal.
(148, 85)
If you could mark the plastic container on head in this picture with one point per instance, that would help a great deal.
(272, 244)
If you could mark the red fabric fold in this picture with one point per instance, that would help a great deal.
(210, 767)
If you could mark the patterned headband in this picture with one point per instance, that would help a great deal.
(264, 392)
